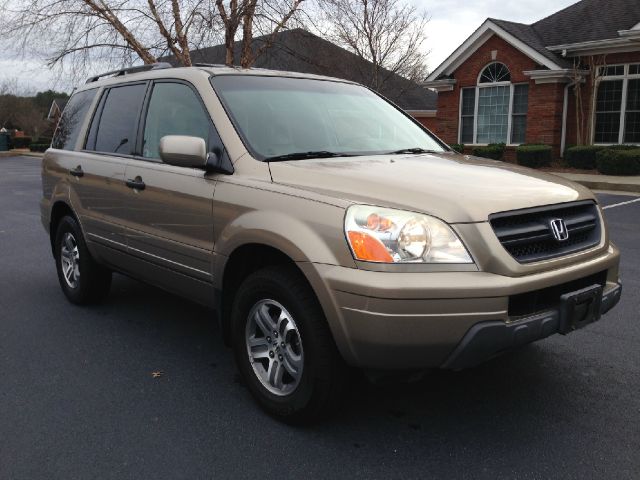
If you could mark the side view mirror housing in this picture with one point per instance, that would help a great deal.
(183, 151)
(191, 152)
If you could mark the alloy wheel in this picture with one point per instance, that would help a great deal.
(274, 347)
(70, 260)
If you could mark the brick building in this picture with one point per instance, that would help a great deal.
(570, 78)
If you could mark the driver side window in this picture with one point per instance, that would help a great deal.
(175, 109)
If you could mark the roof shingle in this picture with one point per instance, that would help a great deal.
(298, 50)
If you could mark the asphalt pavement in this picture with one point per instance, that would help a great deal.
(142, 387)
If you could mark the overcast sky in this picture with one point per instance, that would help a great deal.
(452, 21)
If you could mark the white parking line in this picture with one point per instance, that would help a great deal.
(621, 203)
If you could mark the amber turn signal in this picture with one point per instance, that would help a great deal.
(368, 248)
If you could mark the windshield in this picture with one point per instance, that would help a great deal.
(279, 117)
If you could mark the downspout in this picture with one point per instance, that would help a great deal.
(565, 107)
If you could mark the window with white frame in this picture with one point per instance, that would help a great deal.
(617, 107)
(495, 110)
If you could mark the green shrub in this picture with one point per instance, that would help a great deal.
(582, 156)
(618, 161)
(458, 147)
(622, 147)
(21, 142)
(43, 140)
(39, 147)
(495, 151)
(533, 156)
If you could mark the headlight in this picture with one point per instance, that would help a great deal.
(385, 235)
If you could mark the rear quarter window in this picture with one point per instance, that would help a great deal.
(115, 124)
(72, 120)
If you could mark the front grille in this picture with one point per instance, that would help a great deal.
(546, 298)
(528, 236)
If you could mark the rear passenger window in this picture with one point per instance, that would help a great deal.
(115, 126)
(174, 109)
(72, 119)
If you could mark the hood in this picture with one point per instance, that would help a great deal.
(455, 188)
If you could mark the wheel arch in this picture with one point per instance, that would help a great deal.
(59, 210)
(244, 260)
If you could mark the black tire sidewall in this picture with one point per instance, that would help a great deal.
(260, 287)
(83, 293)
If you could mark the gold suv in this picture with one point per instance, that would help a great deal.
(325, 227)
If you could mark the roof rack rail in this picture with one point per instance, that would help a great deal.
(199, 64)
(125, 71)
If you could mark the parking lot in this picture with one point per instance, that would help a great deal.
(79, 398)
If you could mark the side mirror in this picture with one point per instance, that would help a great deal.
(183, 151)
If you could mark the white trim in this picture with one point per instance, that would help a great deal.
(623, 108)
(632, 34)
(626, 42)
(442, 85)
(476, 102)
(493, 83)
(53, 104)
(480, 36)
(510, 120)
(422, 113)
(553, 76)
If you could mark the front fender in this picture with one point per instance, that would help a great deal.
(302, 240)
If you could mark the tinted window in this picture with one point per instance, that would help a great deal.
(118, 120)
(174, 109)
(277, 116)
(71, 120)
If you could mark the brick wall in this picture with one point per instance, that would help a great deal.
(544, 116)
(467, 74)
(429, 122)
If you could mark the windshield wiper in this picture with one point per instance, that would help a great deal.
(415, 150)
(304, 155)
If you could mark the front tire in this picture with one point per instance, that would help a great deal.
(284, 348)
(82, 280)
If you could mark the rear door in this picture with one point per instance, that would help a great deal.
(169, 212)
(110, 143)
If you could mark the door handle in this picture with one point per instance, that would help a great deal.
(77, 172)
(136, 184)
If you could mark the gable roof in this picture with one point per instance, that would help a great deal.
(529, 35)
(585, 21)
(57, 106)
(298, 50)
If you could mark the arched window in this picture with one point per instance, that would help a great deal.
(495, 110)
(494, 73)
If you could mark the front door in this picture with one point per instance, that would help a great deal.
(169, 217)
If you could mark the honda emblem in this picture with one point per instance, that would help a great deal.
(559, 229)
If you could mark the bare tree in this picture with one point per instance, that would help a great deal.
(586, 75)
(388, 33)
(235, 13)
(120, 32)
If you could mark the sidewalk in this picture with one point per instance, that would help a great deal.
(604, 182)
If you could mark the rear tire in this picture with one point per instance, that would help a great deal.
(296, 372)
(81, 278)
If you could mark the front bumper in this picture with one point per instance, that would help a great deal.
(391, 320)
(487, 339)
